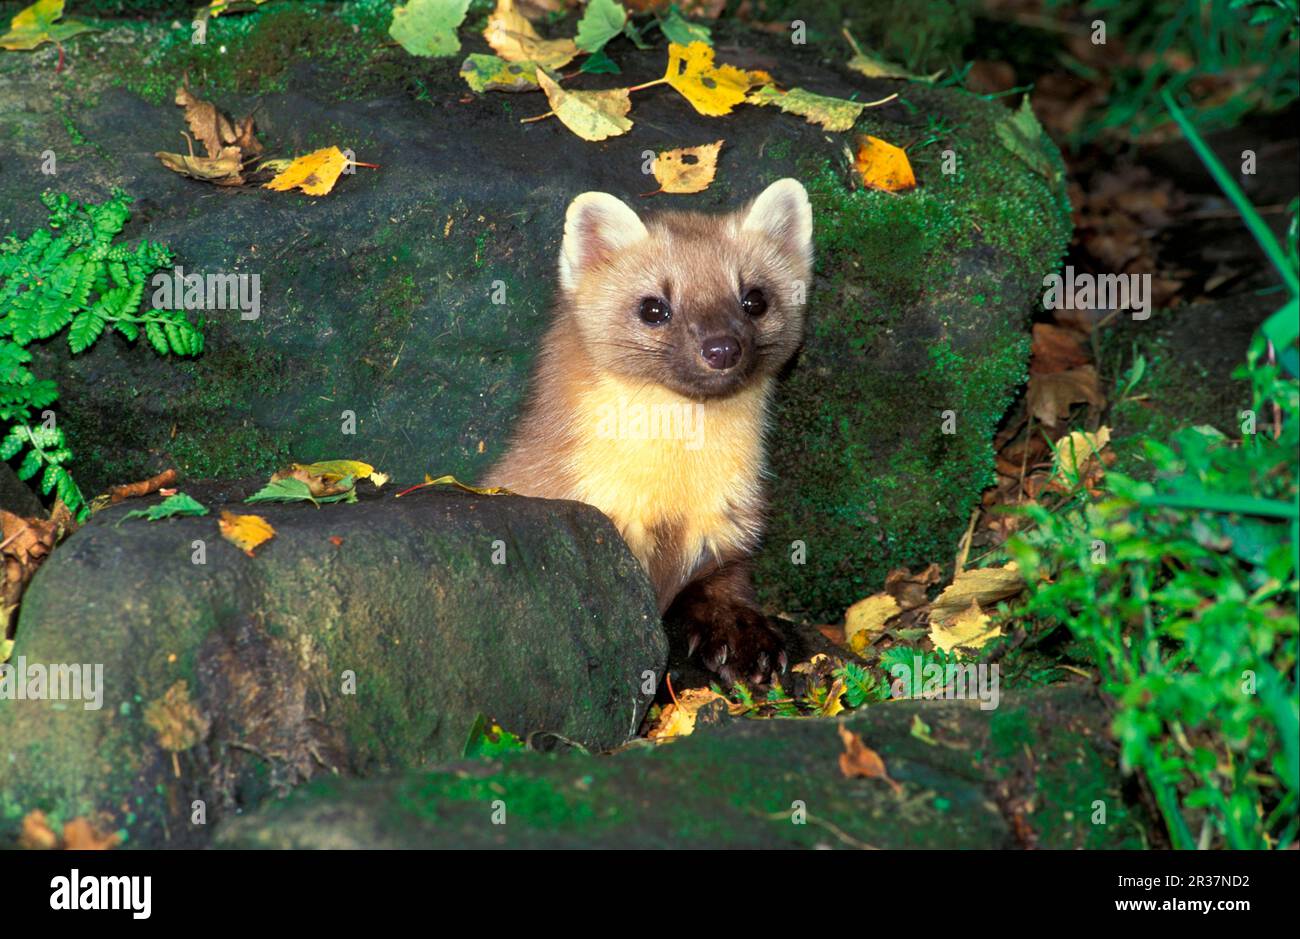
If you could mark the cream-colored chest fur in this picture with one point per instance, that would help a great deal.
(673, 474)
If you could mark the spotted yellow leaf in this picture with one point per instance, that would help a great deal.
(484, 72)
(830, 113)
(687, 169)
(315, 174)
(713, 90)
(245, 532)
(513, 38)
(592, 115)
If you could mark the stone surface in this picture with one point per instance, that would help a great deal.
(376, 300)
(402, 595)
(1030, 773)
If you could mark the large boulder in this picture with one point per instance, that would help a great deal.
(360, 637)
(378, 299)
(1039, 771)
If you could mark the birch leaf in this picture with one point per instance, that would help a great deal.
(245, 532)
(315, 174)
(712, 90)
(687, 169)
(883, 166)
(483, 72)
(513, 38)
(830, 113)
(37, 24)
(592, 115)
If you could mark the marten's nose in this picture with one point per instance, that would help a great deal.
(721, 352)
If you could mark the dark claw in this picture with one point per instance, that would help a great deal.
(737, 642)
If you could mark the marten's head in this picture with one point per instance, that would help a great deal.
(700, 304)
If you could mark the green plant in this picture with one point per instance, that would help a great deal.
(72, 276)
(1185, 590)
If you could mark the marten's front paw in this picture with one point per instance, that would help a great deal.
(737, 643)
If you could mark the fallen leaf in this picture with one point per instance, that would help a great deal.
(875, 67)
(335, 470)
(592, 115)
(882, 165)
(175, 719)
(80, 835)
(245, 532)
(859, 760)
(866, 619)
(223, 169)
(1050, 396)
(831, 113)
(37, 24)
(428, 27)
(36, 833)
(678, 719)
(170, 507)
(1023, 136)
(910, 589)
(513, 38)
(711, 90)
(1057, 349)
(969, 629)
(688, 169)
(981, 585)
(484, 72)
(453, 481)
(676, 28)
(601, 22)
(315, 174)
(1075, 450)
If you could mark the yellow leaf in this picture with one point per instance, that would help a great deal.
(865, 620)
(858, 759)
(678, 718)
(830, 113)
(513, 38)
(687, 169)
(245, 532)
(178, 723)
(334, 470)
(1075, 450)
(983, 585)
(36, 24)
(969, 629)
(874, 67)
(592, 115)
(315, 174)
(711, 90)
(881, 165)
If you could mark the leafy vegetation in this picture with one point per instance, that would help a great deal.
(74, 276)
(1184, 589)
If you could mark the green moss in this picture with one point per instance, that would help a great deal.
(917, 313)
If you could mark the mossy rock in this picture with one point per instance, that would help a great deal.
(360, 637)
(1040, 771)
(377, 300)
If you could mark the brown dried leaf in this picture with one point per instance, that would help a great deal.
(859, 760)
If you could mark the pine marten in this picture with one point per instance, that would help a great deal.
(652, 392)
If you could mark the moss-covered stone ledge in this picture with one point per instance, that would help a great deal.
(377, 300)
(1039, 771)
(359, 637)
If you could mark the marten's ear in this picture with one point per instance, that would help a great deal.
(782, 213)
(596, 227)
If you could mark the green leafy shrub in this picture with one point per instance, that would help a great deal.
(1185, 591)
(72, 276)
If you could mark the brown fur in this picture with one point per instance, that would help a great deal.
(690, 505)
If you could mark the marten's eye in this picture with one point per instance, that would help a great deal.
(754, 303)
(655, 311)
